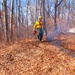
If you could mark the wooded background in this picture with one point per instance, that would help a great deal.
(17, 17)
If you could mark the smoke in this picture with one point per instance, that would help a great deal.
(62, 28)
(71, 30)
(51, 36)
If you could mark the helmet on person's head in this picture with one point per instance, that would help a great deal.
(39, 17)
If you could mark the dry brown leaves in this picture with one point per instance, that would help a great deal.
(68, 41)
(34, 58)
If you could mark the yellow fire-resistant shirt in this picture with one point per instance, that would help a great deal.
(38, 24)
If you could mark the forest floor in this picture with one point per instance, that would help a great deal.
(35, 58)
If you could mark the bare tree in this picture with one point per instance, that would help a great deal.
(22, 14)
(19, 3)
(43, 13)
(27, 18)
(11, 18)
(36, 10)
(5, 20)
(56, 6)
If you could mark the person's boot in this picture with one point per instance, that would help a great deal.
(40, 38)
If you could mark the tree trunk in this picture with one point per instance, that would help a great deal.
(27, 19)
(43, 6)
(5, 20)
(36, 11)
(55, 18)
(19, 18)
(55, 22)
(12, 13)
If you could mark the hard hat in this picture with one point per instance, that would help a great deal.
(40, 17)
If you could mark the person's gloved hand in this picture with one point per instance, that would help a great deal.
(34, 31)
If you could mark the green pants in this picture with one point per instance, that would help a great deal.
(40, 33)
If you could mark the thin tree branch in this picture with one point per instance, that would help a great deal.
(59, 3)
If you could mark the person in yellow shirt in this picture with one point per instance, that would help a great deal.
(38, 26)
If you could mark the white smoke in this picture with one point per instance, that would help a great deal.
(51, 35)
(62, 28)
(72, 30)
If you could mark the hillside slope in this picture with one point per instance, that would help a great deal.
(34, 58)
